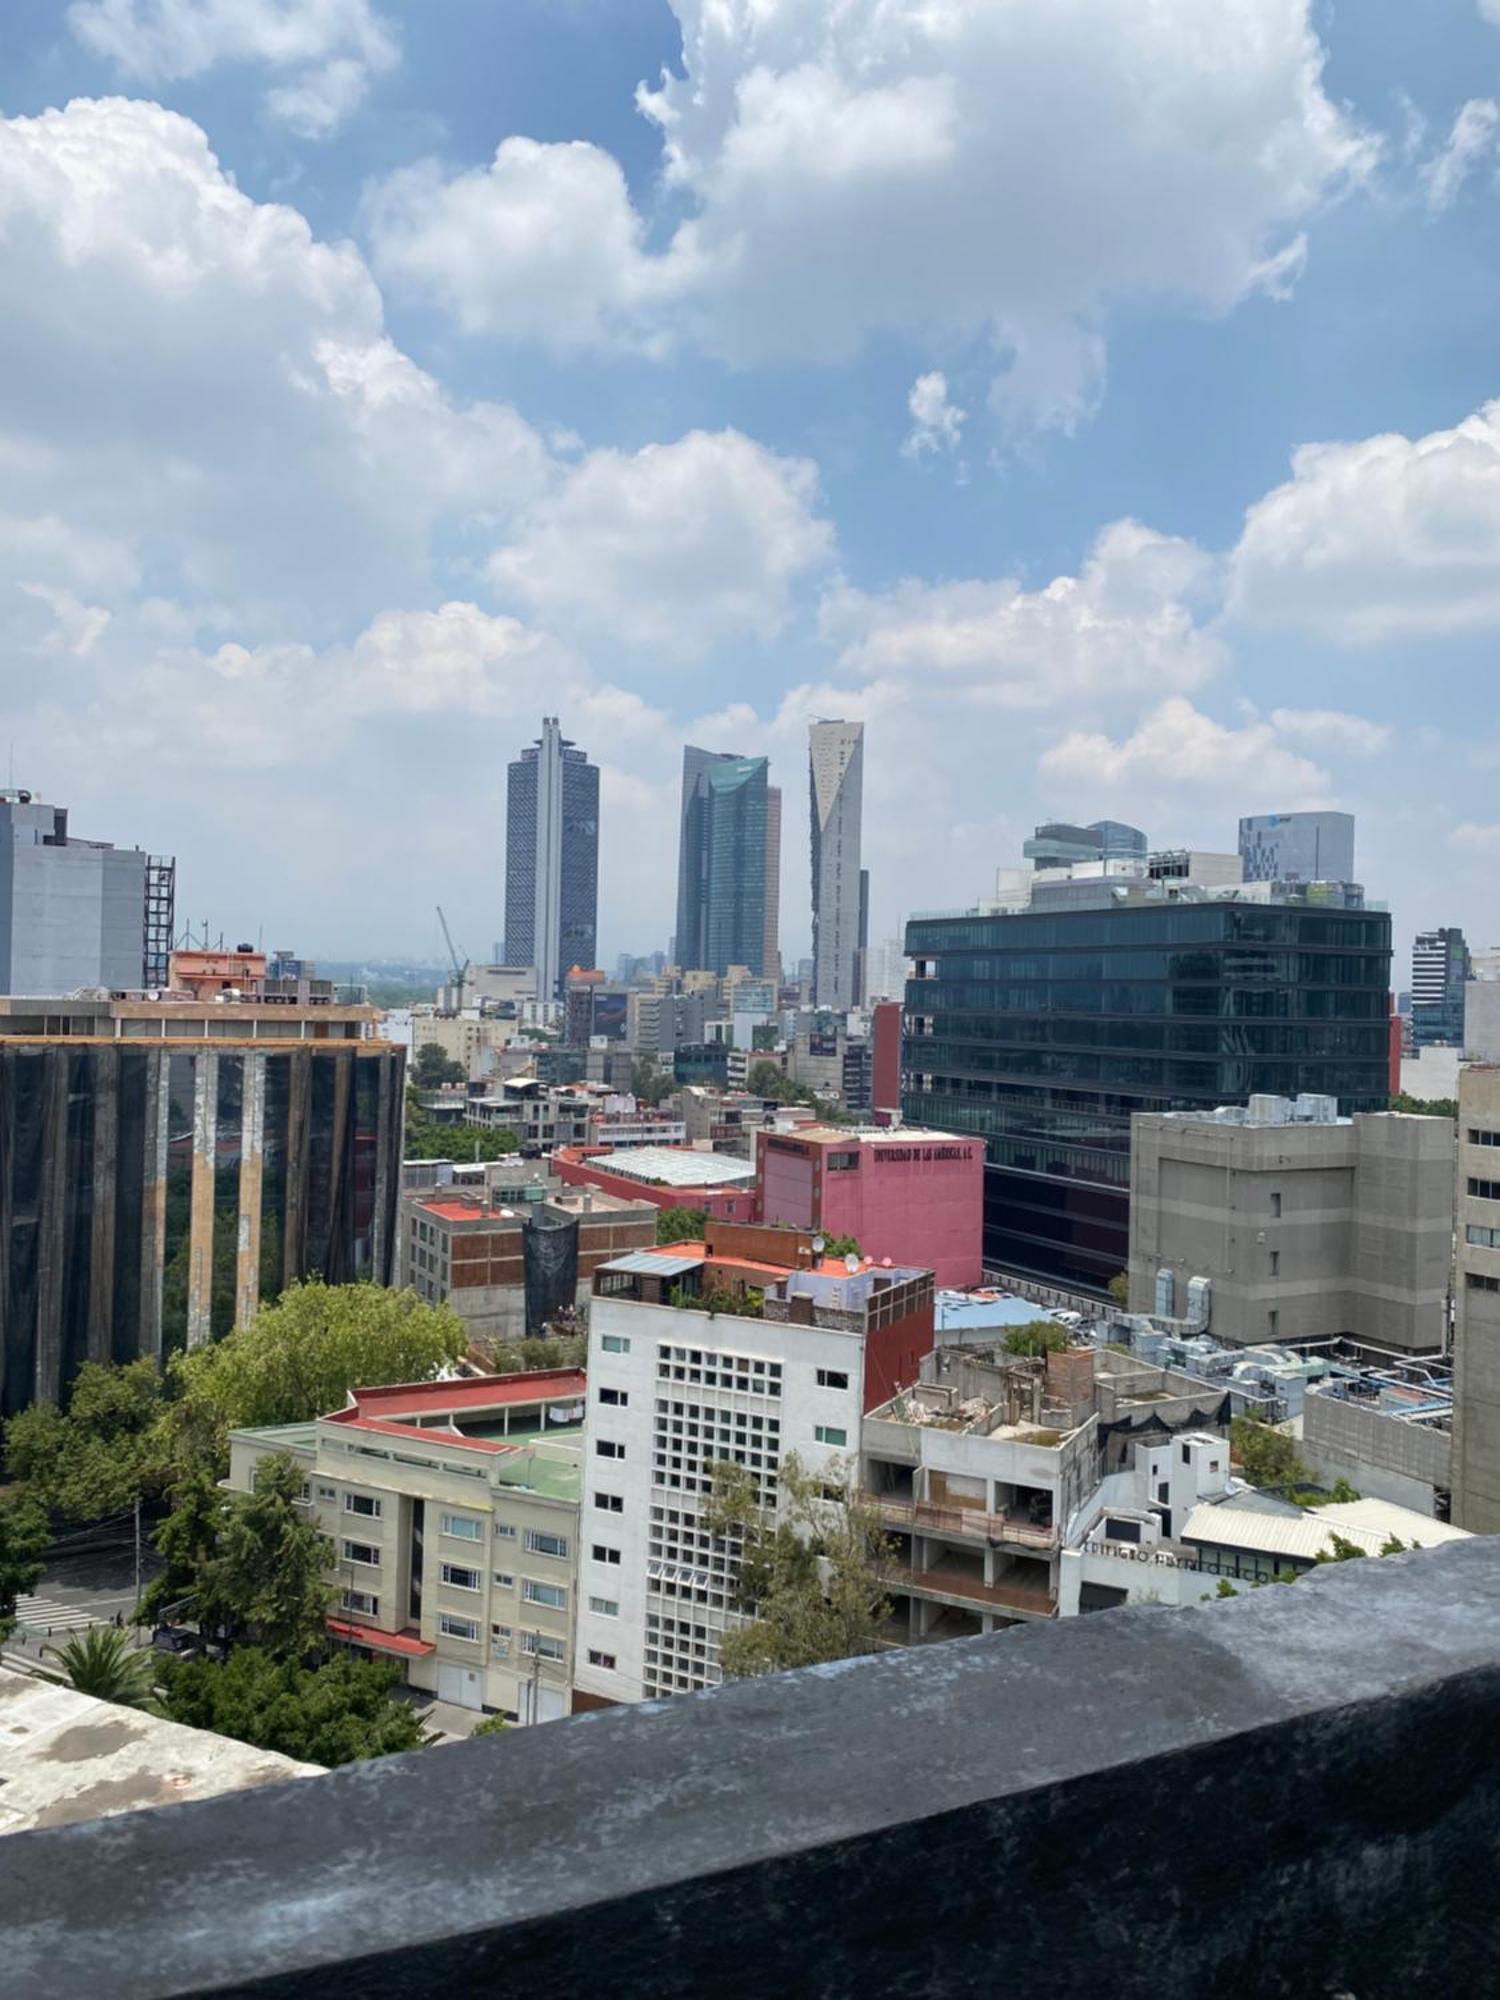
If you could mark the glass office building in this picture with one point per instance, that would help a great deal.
(723, 860)
(1044, 1031)
(164, 1168)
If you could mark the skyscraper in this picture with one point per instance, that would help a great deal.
(1298, 847)
(723, 860)
(77, 913)
(551, 859)
(770, 966)
(1439, 967)
(836, 765)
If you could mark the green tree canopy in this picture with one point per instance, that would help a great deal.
(299, 1359)
(649, 1082)
(813, 1571)
(103, 1662)
(335, 1714)
(842, 1246)
(24, 1539)
(432, 1068)
(186, 1538)
(681, 1225)
(1119, 1289)
(1038, 1336)
(429, 1138)
(267, 1573)
(1269, 1456)
(101, 1454)
(1426, 1107)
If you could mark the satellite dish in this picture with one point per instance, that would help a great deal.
(851, 1263)
(818, 1245)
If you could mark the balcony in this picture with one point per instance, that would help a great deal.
(967, 1524)
(873, 1829)
(1013, 1597)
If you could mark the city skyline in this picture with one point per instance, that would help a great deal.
(1036, 511)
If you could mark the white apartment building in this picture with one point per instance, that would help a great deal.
(787, 1360)
(452, 1513)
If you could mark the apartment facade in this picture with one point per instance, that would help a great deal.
(675, 1389)
(452, 1510)
(167, 1164)
(1280, 1221)
(1476, 1333)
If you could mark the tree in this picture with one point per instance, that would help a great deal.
(1269, 1456)
(1119, 1289)
(1340, 1550)
(266, 1574)
(812, 1570)
(428, 1138)
(842, 1246)
(187, 1538)
(104, 1452)
(24, 1539)
(335, 1714)
(493, 1725)
(681, 1225)
(300, 1358)
(432, 1068)
(650, 1083)
(768, 1079)
(1426, 1107)
(1038, 1336)
(511, 1357)
(103, 1663)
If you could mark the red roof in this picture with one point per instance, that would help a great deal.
(490, 1392)
(416, 1434)
(382, 1642)
(464, 1211)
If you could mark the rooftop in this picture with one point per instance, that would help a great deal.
(493, 1392)
(671, 1166)
(1308, 1533)
(67, 1757)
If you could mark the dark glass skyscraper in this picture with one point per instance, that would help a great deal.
(1043, 1031)
(552, 860)
(726, 840)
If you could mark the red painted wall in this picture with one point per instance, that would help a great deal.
(893, 1356)
(921, 1204)
(885, 1032)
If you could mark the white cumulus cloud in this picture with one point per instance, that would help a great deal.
(676, 547)
(1332, 730)
(1475, 135)
(936, 424)
(1385, 538)
(973, 169)
(1178, 748)
(326, 50)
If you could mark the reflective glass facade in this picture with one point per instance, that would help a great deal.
(148, 1196)
(722, 860)
(1043, 1032)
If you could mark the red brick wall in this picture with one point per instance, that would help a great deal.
(893, 1355)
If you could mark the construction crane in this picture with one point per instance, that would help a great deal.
(460, 972)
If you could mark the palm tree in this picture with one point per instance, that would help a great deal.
(104, 1663)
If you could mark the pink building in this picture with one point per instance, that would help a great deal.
(911, 1196)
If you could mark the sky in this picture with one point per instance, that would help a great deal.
(1100, 399)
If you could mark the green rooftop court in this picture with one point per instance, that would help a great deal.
(555, 1472)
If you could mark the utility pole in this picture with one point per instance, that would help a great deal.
(137, 1552)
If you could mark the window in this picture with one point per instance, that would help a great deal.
(1484, 1190)
(614, 1343)
(543, 1646)
(1276, 1206)
(605, 1607)
(457, 1628)
(1163, 1492)
(361, 1600)
(463, 1527)
(608, 1448)
(504, 1579)
(610, 1503)
(1187, 1454)
(1479, 1283)
(616, 1398)
(458, 1577)
(1273, 1321)
(361, 1503)
(842, 1163)
(598, 1659)
(328, 1493)
(1486, 1239)
(832, 1378)
(361, 1552)
(551, 1594)
(1477, 1138)
(505, 1530)
(538, 1544)
(1275, 1263)
(830, 1434)
(603, 1553)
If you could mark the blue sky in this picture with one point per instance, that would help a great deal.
(1091, 397)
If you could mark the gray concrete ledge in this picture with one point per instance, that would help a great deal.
(1293, 1793)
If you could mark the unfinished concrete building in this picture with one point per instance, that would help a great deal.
(1280, 1221)
(166, 1164)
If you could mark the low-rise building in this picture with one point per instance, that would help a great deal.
(1281, 1221)
(1388, 1435)
(452, 1509)
(506, 1267)
(914, 1196)
(671, 1177)
(744, 1348)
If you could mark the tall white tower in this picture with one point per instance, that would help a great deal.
(836, 767)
